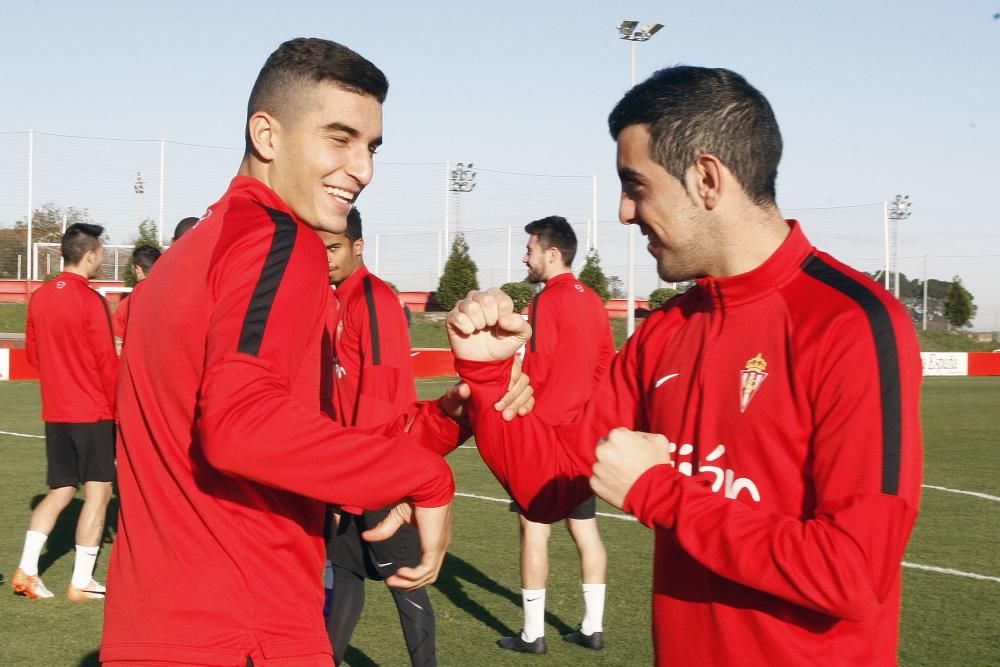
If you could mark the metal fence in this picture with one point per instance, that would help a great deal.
(410, 213)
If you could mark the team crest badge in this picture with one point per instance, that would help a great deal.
(751, 378)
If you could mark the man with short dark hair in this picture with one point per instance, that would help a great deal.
(69, 340)
(183, 227)
(373, 384)
(227, 462)
(143, 259)
(777, 450)
(570, 350)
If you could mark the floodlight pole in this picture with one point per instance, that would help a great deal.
(898, 210)
(627, 31)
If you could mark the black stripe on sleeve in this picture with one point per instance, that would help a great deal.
(373, 322)
(255, 321)
(888, 362)
(534, 315)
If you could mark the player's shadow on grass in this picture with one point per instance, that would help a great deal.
(456, 573)
(92, 659)
(62, 540)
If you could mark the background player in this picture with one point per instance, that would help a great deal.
(569, 351)
(143, 259)
(784, 388)
(69, 340)
(373, 384)
(183, 227)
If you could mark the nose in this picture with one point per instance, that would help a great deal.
(360, 165)
(626, 210)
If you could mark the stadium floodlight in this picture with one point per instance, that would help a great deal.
(898, 210)
(627, 31)
(625, 28)
(652, 28)
(140, 185)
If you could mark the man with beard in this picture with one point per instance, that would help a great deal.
(569, 351)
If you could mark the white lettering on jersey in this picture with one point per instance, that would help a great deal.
(725, 478)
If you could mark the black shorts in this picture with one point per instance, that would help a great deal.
(79, 453)
(374, 560)
(585, 510)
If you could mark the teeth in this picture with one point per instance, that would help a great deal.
(337, 192)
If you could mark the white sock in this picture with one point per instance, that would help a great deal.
(593, 603)
(83, 568)
(33, 543)
(534, 614)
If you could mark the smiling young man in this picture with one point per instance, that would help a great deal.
(569, 322)
(226, 461)
(776, 449)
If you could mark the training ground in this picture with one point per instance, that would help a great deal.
(951, 572)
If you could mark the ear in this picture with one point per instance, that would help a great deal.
(707, 181)
(359, 247)
(263, 129)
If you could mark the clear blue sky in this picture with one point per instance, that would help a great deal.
(874, 97)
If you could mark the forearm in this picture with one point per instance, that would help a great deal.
(837, 563)
(544, 468)
(252, 428)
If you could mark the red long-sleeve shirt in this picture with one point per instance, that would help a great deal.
(791, 394)
(68, 338)
(374, 381)
(226, 461)
(122, 312)
(570, 348)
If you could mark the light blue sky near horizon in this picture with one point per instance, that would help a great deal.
(873, 98)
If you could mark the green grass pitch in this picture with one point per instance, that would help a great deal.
(947, 619)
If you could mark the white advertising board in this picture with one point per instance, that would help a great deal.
(945, 363)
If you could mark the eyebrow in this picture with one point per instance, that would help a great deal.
(347, 129)
(628, 174)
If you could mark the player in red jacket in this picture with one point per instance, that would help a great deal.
(568, 322)
(765, 424)
(373, 384)
(143, 259)
(69, 340)
(226, 461)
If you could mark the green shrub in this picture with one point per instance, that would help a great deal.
(459, 276)
(521, 294)
(660, 296)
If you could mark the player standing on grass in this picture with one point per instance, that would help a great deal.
(784, 479)
(373, 384)
(226, 462)
(143, 259)
(69, 340)
(569, 351)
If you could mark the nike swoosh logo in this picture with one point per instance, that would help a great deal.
(532, 599)
(664, 379)
(384, 564)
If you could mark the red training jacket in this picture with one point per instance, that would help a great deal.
(790, 396)
(570, 348)
(226, 462)
(68, 339)
(123, 311)
(374, 379)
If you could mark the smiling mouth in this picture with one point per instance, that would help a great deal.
(345, 196)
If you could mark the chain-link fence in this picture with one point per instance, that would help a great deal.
(411, 214)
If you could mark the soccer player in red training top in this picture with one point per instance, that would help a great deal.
(373, 385)
(143, 259)
(69, 341)
(226, 462)
(568, 321)
(783, 479)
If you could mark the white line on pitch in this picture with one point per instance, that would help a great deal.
(915, 566)
(22, 435)
(948, 570)
(620, 517)
(986, 496)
